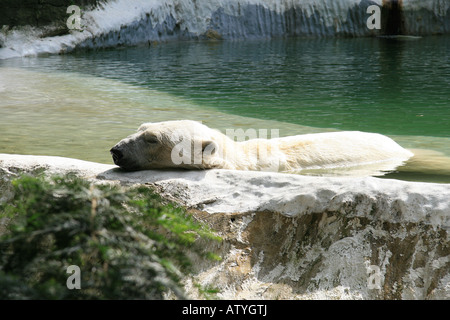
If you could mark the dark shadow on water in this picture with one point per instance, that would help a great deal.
(417, 177)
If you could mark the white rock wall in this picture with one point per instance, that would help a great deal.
(121, 22)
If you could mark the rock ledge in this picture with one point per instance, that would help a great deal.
(298, 237)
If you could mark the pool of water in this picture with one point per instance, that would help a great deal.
(80, 104)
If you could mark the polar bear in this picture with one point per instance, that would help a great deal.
(189, 144)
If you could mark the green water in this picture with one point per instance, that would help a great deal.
(80, 104)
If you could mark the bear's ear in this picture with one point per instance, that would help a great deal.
(143, 127)
(209, 147)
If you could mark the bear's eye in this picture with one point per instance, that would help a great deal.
(151, 138)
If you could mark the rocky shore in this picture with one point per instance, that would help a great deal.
(297, 237)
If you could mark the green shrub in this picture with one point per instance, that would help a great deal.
(127, 243)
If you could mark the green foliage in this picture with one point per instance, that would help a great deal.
(209, 292)
(127, 243)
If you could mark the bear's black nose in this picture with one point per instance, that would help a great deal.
(117, 155)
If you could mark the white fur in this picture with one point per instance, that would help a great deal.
(294, 153)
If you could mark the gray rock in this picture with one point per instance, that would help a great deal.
(298, 237)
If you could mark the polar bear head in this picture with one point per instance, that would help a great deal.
(170, 144)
